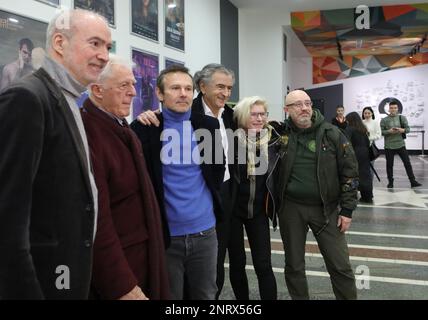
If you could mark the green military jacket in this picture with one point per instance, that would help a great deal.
(337, 166)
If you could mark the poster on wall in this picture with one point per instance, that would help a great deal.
(169, 62)
(102, 7)
(174, 24)
(145, 18)
(22, 43)
(54, 3)
(146, 70)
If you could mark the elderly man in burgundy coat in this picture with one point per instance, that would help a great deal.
(129, 252)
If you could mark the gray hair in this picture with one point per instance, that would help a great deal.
(241, 112)
(114, 60)
(64, 22)
(206, 74)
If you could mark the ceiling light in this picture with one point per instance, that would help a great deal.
(172, 6)
(13, 20)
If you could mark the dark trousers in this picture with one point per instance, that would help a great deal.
(223, 234)
(404, 156)
(294, 221)
(192, 262)
(258, 234)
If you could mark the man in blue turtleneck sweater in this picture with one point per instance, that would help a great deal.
(187, 184)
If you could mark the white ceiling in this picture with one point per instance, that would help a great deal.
(306, 5)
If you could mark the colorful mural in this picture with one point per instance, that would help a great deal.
(326, 69)
(340, 50)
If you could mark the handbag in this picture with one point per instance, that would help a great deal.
(401, 126)
(374, 152)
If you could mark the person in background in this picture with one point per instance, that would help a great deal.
(393, 127)
(129, 252)
(340, 120)
(372, 125)
(256, 140)
(358, 135)
(373, 128)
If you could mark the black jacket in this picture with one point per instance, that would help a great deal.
(46, 203)
(150, 137)
(229, 122)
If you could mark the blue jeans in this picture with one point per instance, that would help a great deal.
(193, 257)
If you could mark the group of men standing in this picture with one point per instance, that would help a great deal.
(87, 196)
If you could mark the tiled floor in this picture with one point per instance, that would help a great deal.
(388, 242)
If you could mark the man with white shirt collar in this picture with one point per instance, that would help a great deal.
(214, 84)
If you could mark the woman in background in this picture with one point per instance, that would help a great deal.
(358, 135)
(372, 125)
(255, 159)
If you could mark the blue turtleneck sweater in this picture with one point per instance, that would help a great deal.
(188, 201)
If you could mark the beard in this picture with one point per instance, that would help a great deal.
(304, 122)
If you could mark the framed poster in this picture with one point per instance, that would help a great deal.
(144, 20)
(169, 62)
(53, 3)
(22, 43)
(146, 71)
(102, 7)
(174, 24)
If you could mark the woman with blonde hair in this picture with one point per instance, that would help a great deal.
(256, 154)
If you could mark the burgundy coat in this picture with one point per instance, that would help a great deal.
(129, 247)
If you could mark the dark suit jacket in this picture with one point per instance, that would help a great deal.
(46, 203)
(152, 145)
(128, 249)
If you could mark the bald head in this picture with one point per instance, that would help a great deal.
(296, 95)
(298, 105)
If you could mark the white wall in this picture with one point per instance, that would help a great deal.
(261, 56)
(202, 19)
(409, 85)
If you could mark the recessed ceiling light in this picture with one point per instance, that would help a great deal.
(13, 20)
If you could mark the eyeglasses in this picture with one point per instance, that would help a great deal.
(255, 115)
(300, 104)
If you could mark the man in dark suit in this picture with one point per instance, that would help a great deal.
(129, 253)
(187, 177)
(48, 204)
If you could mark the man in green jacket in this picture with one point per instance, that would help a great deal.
(393, 127)
(317, 182)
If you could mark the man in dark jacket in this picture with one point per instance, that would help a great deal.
(48, 204)
(129, 253)
(214, 84)
(187, 177)
(317, 183)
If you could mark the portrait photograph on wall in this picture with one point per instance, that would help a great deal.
(174, 24)
(54, 3)
(146, 70)
(145, 19)
(169, 62)
(103, 7)
(22, 43)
